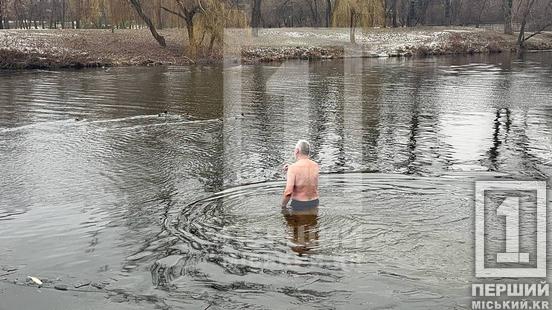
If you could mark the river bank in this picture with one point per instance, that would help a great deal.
(48, 49)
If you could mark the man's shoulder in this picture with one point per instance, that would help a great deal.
(294, 165)
(303, 164)
(313, 163)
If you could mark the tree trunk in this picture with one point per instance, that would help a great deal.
(31, 14)
(256, 17)
(159, 15)
(448, 12)
(422, 11)
(138, 7)
(63, 13)
(52, 12)
(78, 14)
(352, 26)
(412, 16)
(211, 44)
(1, 14)
(41, 13)
(313, 7)
(507, 6)
(15, 11)
(480, 13)
(328, 13)
(317, 16)
(191, 36)
(521, 36)
(394, 13)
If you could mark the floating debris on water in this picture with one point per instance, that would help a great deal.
(100, 285)
(36, 280)
(82, 284)
(9, 268)
(139, 256)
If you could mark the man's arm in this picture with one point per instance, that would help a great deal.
(290, 183)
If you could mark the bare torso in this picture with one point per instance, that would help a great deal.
(302, 182)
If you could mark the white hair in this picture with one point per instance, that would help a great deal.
(304, 147)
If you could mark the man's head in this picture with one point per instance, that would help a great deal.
(302, 148)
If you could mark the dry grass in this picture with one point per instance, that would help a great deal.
(90, 48)
(378, 42)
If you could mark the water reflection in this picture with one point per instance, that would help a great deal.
(500, 125)
(161, 204)
(303, 229)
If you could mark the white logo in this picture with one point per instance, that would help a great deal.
(509, 209)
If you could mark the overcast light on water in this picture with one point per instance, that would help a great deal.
(181, 209)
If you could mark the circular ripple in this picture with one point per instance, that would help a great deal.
(364, 219)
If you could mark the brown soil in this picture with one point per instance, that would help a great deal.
(48, 49)
(29, 49)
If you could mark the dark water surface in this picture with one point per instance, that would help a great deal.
(182, 209)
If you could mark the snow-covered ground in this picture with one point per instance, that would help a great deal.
(285, 43)
(75, 48)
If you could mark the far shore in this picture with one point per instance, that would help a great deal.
(52, 49)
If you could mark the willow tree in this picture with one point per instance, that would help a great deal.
(187, 10)
(358, 13)
(206, 17)
(120, 13)
(215, 19)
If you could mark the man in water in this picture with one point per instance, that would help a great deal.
(302, 180)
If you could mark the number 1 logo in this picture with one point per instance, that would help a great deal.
(510, 210)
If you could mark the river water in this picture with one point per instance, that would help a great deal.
(180, 209)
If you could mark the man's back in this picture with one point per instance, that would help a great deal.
(305, 180)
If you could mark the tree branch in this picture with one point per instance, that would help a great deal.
(542, 28)
(200, 6)
(537, 32)
(138, 7)
(173, 12)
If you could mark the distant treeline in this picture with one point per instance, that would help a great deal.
(205, 20)
(29, 14)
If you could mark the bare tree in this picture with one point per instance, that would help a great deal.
(481, 10)
(63, 13)
(355, 13)
(187, 10)
(394, 13)
(313, 7)
(138, 7)
(448, 11)
(507, 7)
(2, 14)
(159, 14)
(412, 16)
(328, 12)
(78, 13)
(256, 16)
(52, 11)
(540, 26)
